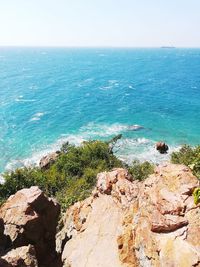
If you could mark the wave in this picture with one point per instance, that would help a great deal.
(141, 149)
(111, 84)
(36, 156)
(24, 100)
(94, 130)
(126, 149)
(37, 116)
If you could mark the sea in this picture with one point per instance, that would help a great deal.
(49, 96)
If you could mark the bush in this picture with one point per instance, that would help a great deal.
(196, 195)
(73, 175)
(141, 171)
(188, 156)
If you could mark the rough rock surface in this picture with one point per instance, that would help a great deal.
(162, 147)
(49, 159)
(20, 257)
(29, 217)
(163, 227)
(127, 223)
(91, 227)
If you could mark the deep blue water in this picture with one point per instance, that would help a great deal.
(49, 95)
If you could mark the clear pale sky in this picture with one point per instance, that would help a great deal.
(126, 23)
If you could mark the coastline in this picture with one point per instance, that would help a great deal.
(127, 150)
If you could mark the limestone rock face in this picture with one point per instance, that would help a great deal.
(20, 257)
(129, 223)
(29, 217)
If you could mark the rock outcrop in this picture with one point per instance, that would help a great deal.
(29, 217)
(125, 223)
(165, 223)
(129, 223)
(20, 257)
(91, 227)
(48, 160)
(162, 147)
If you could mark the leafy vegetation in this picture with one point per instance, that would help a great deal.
(73, 175)
(188, 156)
(196, 195)
(70, 178)
(141, 171)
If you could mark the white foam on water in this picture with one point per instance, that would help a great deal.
(126, 149)
(94, 130)
(141, 149)
(36, 156)
(19, 99)
(111, 84)
(37, 116)
(35, 119)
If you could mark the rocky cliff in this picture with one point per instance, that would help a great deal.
(130, 223)
(124, 223)
(28, 223)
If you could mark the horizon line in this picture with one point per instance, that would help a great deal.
(112, 47)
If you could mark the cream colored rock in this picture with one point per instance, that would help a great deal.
(118, 183)
(20, 257)
(97, 244)
(91, 227)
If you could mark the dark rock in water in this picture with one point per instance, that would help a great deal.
(135, 127)
(46, 161)
(162, 147)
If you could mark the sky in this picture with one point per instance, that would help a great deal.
(100, 23)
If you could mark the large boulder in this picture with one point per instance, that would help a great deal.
(29, 217)
(20, 257)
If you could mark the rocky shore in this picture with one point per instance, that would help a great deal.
(123, 223)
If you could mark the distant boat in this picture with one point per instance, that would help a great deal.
(168, 47)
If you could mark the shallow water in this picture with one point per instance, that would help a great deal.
(50, 95)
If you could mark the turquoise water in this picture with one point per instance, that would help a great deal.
(50, 95)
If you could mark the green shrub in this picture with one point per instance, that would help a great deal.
(73, 175)
(196, 195)
(188, 156)
(141, 171)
